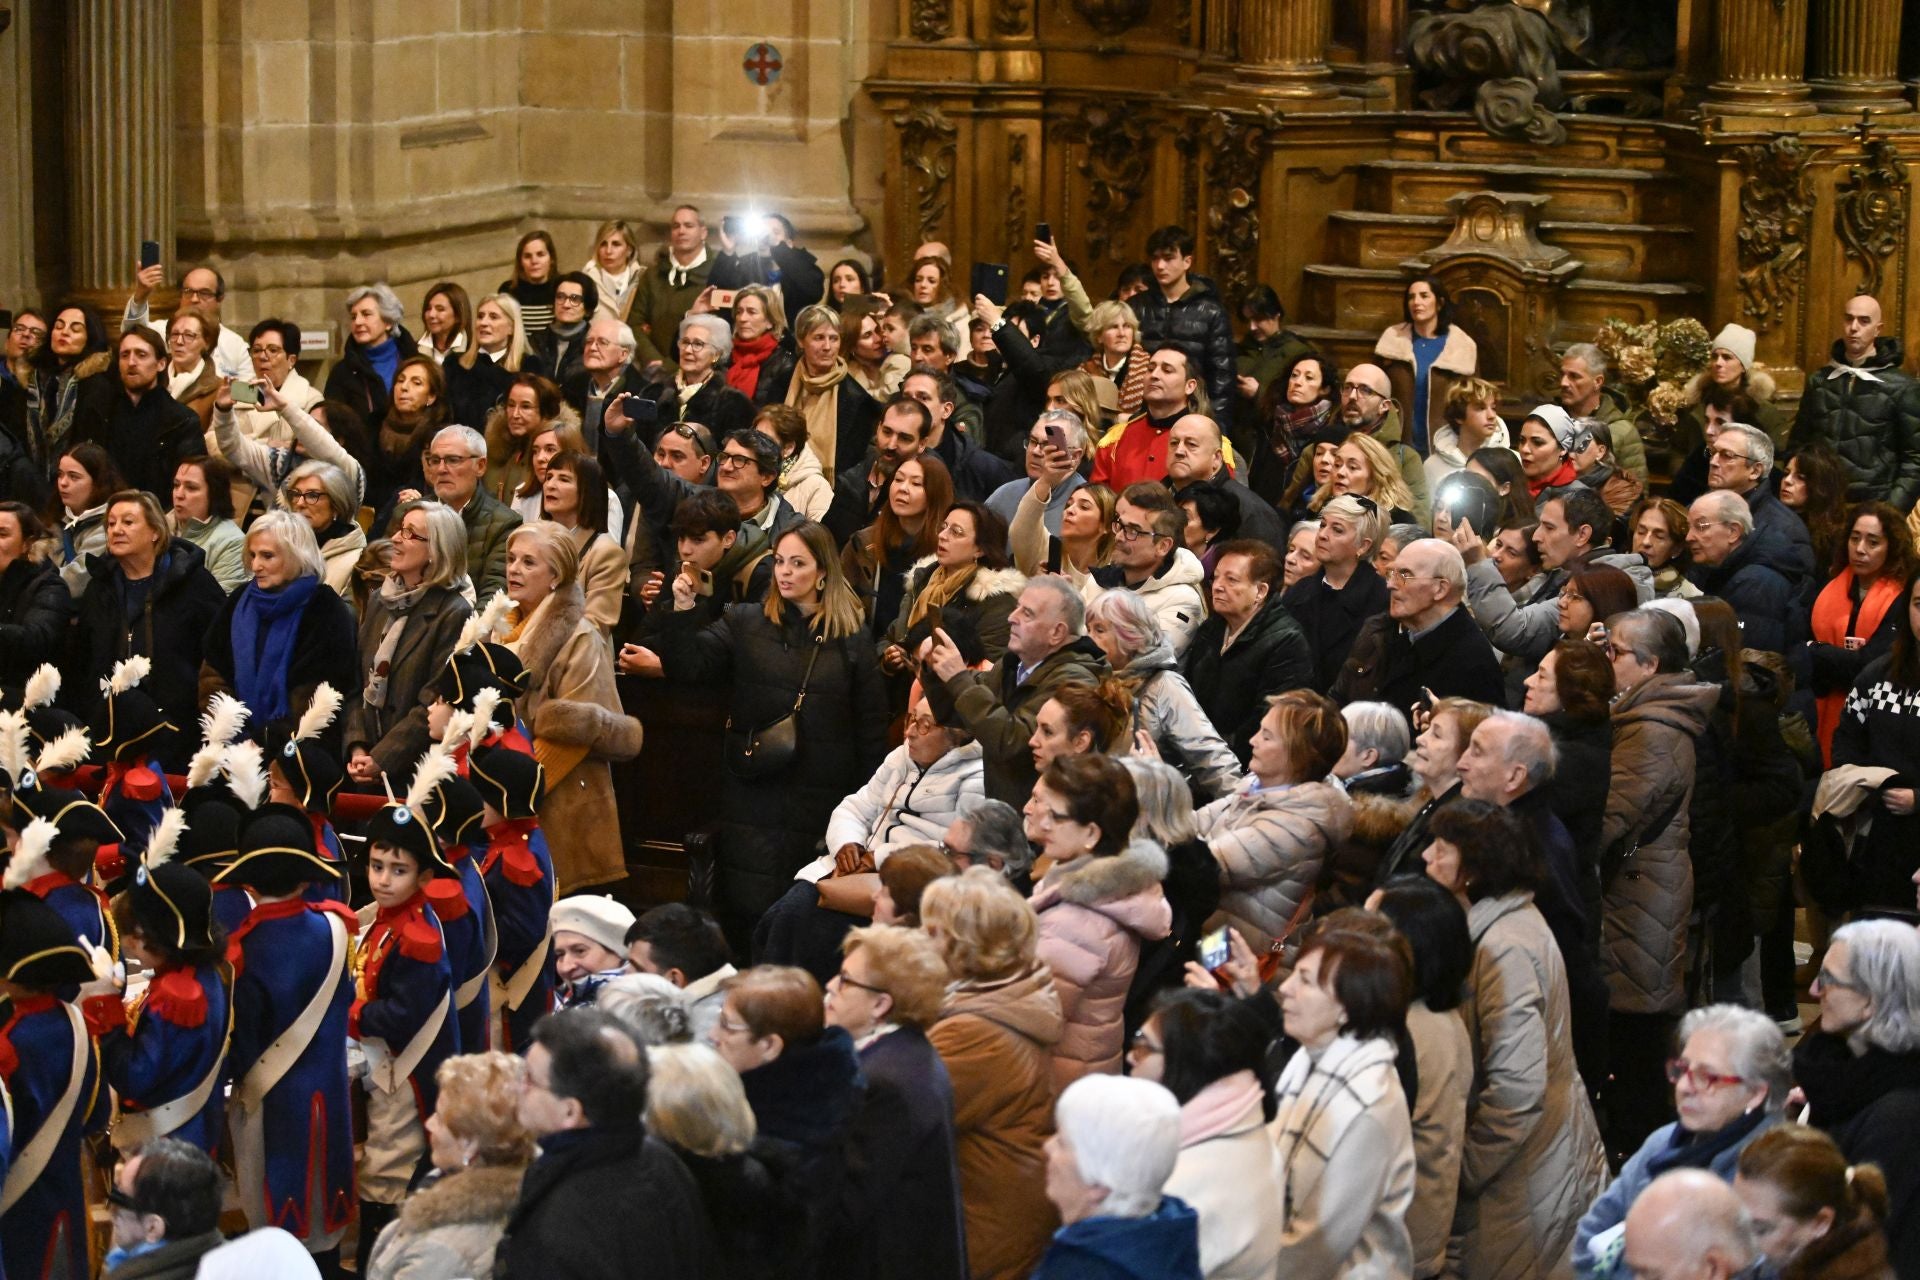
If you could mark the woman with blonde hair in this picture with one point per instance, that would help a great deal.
(614, 268)
(1363, 468)
(807, 715)
(1114, 330)
(450, 1228)
(995, 1035)
(573, 706)
(480, 377)
(762, 355)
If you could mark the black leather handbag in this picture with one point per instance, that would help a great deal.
(771, 748)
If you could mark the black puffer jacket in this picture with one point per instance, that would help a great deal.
(1271, 656)
(1199, 321)
(35, 608)
(21, 478)
(1871, 413)
(1331, 619)
(354, 381)
(771, 825)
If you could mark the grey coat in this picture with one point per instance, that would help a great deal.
(1165, 707)
(395, 733)
(448, 1229)
(1532, 1161)
(1646, 901)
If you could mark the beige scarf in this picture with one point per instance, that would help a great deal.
(944, 584)
(818, 400)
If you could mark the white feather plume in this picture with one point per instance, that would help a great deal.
(41, 688)
(205, 763)
(68, 751)
(485, 624)
(226, 716)
(127, 673)
(484, 703)
(246, 772)
(165, 838)
(30, 858)
(319, 713)
(458, 724)
(435, 767)
(16, 742)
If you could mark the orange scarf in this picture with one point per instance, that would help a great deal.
(1832, 612)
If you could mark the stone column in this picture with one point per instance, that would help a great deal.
(1760, 56)
(1854, 62)
(1283, 48)
(119, 132)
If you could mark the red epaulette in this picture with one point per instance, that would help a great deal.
(177, 997)
(353, 1018)
(448, 899)
(418, 939)
(9, 1059)
(109, 863)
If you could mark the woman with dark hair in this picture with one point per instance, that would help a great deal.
(574, 496)
(1855, 616)
(1081, 719)
(1570, 692)
(75, 356)
(1816, 1215)
(878, 558)
(1299, 409)
(83, 479)
(1425, 356)
(533, 281)
(419, 408)
(446, 317)
(1880, 728)
(1590, 594)
(1096, 903)
(1435, 927)
(968, 582)
(203, 514)
(1502, 469)
(35, 605)
(847, 278)
(1658, 530)
(1532, 1160)
(1209, 1051)
(529, 404)
(1341, 1133)
(1815, 485)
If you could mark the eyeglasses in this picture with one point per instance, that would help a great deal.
(1703, 524)
(1826, 978)
(433, 460)
(1146, 1043)
(727, 1026)
(1403, 576)
(922, 724)
(1734, 455)
(1356, 389)
(695, 344)
(199, 295)
(306, 497)
(1130, 532)
(404, 534)
(1367, 504)
(265, 352)
(121, 1200)
(734, 461)
(1051, 817)
(698, 434)
(579, 298)
(31, 331)
(846, 981)
(1699, 1077)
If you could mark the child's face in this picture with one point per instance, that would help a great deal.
(437, 714)
(490, 816)
(392, 874)
(133, 944)
(279, 790)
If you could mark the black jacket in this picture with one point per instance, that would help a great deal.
(1880, 727)
(146, 440)
(1271, 656)
(797, 272)
(1760, 594)
(22, 479)
(976, 472)
(170, 628)
(1199, 322)
(898, 1216)
(858, 412)
(1018, 398)
(769, 826)
(325, 647)
(715, 405)
(1869, 1104)
(852, 509)
(1454, 660)
(804, 1104)
(35, 609)
(354, 381)
(545, 357)
(1870, 413)
(1582, 773)
(756, 1211)
(1258, 519)
(1331, 619)
(472, 393)
(606, 1204)
(776, 371)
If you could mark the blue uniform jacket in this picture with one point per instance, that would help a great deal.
(178, 1035)
(519, 876)
(407, 976)
(45, 1233)
(467, 923)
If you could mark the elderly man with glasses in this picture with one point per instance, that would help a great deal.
(606, 372)
(1426, 646)
(1733, 561)
(202, 289)
(1740, 460)
(454, 462)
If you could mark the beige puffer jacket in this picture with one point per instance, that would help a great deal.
(1270, 845)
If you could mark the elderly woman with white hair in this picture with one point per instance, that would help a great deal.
(1116, 1143)
(573, 706)
(284, 633)
(406, 635)
(1167, 718)
(479, 378)
(698, 390)
(650, 1005)
(267, 460)
(376, 344)
(320, 494)
(1380, 784)
(1860, 1068)
(1730, 1083)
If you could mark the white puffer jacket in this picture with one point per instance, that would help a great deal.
(903, 804)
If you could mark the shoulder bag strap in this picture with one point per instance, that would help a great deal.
(819, 643)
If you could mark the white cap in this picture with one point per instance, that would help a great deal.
(1739, 340)
(593, 916)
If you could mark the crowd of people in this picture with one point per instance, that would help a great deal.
(1182, 808)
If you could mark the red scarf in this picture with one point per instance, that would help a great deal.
(743, 369)
(1565, 475)
(1834, 621)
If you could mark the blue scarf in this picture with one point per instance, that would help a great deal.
(264, 623)
(384, 356)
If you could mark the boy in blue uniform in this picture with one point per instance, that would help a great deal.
(134, 793)
(465, 910)
(48, 1063)
(82, 829)
(166, 1058)
(302, 772)
(519, 876)
(214, 811)
(481, 678)
(403, 1016)
(289, 1115)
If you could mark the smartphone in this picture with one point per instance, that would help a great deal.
(1057, 436)
(722, 299)
(703, 583)
(149, 254)
(1214, 949)
(1043, 231)
(244, 392)
(1597, 633)
(990, 282)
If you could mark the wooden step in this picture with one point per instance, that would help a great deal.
(1586, 305)
(1626, 196)
(1610, 250)
(1364, 238)
(1360, 298)
(1345, 347)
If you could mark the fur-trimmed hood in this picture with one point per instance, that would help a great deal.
(1760, 386)
(1094, 882)
(1458, 354)
(982, 586)
(98, 362)
(1378, 820)
(479, 1194)
(550, 627)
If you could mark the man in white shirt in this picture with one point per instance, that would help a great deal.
(201, 290)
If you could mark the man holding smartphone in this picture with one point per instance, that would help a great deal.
(202, 289)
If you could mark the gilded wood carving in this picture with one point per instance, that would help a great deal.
(1776, 202)
(927, 141)
(1870, 209)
